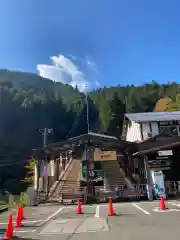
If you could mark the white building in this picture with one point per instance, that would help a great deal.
(141, 126)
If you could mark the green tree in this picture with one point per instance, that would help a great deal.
(174, 105)
(29, 171)
(117, 110)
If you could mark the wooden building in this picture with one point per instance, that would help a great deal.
(138, 127)
(150, 141)
(58, 156)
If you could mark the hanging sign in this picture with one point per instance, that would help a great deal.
(169, 123)
(105, 156)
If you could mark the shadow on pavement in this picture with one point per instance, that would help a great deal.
(122, 215)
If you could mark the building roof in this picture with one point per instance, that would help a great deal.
(106, 140)
(162, 141)
(102, 135)
(153, 116)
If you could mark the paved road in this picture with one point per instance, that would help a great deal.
(142, 220)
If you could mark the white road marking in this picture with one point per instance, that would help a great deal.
(24, 231)
(97, 212)
(167, 210)
(175, 204)
(141, 209)
(32, 221)
(25, 221)
(53, 215)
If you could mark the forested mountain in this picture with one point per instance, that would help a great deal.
(28, 103)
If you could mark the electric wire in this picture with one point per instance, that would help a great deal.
(74, 124)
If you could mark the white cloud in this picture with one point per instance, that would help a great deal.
(92, 64)
(72, 71)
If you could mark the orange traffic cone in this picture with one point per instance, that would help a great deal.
(79, 208)
(18, 219)
(111, 209)
(9, 229)
(162, 203)
(21, 211)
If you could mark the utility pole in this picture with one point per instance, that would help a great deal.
(45, 132)
(87, 112)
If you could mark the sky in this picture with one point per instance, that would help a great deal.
(92, 43)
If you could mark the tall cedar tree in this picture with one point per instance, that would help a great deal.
(117, 110)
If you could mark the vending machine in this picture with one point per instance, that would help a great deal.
(158, 181)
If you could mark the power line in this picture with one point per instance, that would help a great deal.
(78, 117)
(74, 125)
(14, 163)
(87, 112)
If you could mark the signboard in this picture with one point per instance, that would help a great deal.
(169, 123)
(165, 153)
(105, 155)
(160, 160)
(158, 180)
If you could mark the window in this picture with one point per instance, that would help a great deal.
(171, 129)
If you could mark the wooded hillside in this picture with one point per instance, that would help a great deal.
(28, 103)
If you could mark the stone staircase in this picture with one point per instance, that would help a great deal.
(112, 174)
(68, 186)
(115, 178)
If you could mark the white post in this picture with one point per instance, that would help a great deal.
(35, 177)
(52, 168)
(148, 177)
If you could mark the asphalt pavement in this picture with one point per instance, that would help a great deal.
(136, 220)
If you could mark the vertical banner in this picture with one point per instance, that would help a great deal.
(52, 168)
(42, 168)
(61, 160)
(35, 176)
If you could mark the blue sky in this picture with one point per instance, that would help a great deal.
(108, 42)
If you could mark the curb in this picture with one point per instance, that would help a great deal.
(4, 209)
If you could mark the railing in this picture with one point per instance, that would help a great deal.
(72, 196)
(172, 188)
(120, 192)
(127, 172)
(72, 192)
(53, 187)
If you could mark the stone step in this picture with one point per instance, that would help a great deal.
(70, 178)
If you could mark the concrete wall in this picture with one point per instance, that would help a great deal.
(139, 131)
(133, 132)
